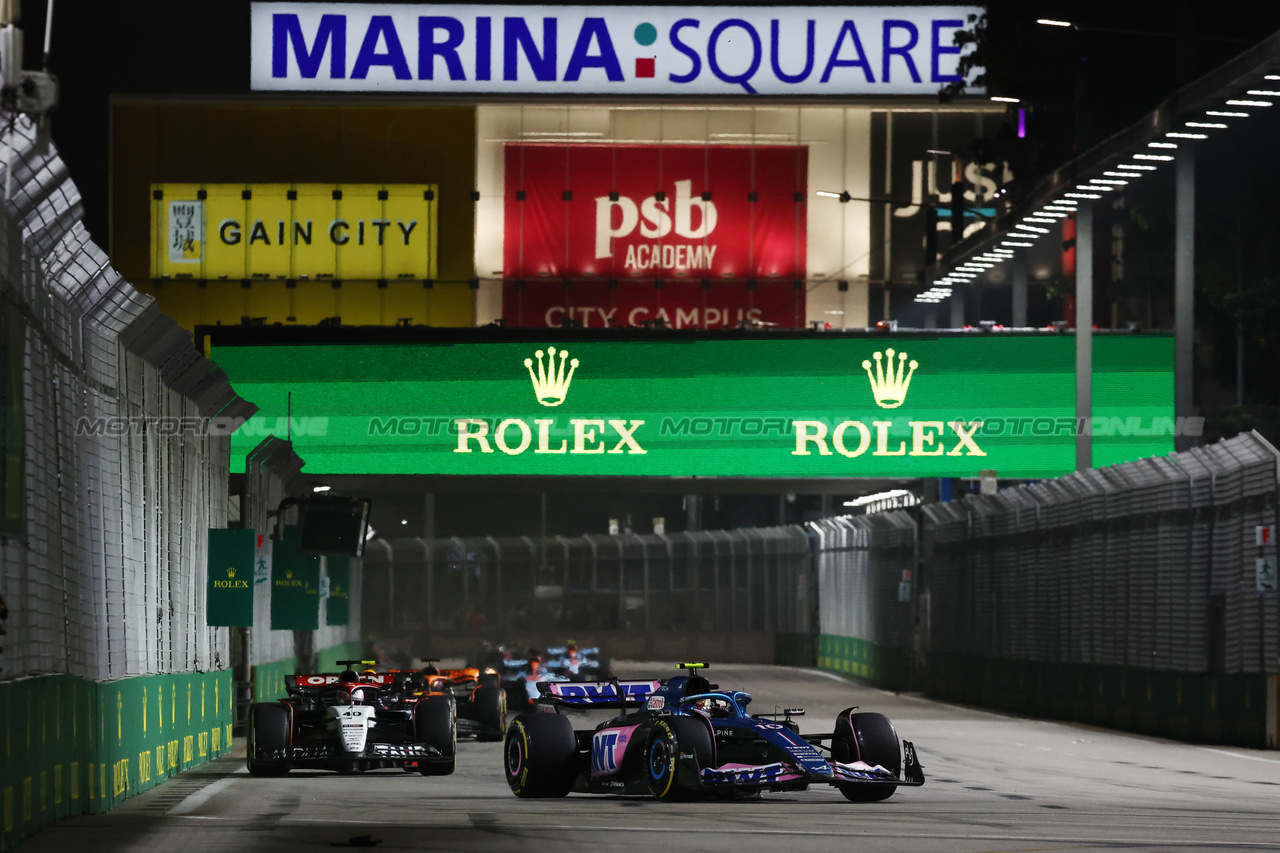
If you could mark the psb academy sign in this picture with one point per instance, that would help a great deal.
(635, 213)
(630, 50)
(246, 231)
(770, 407)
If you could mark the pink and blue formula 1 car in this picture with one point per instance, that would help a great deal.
(690, 739)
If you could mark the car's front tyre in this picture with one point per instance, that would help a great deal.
(269, 730)
(869, 738)
(435, 723)
(490, 705)
(670, 776)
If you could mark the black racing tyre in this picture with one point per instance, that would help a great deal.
(869, 738)
(490, 679)
(669, 777)
(489, 706)
(540, 755)
(268, 729)
(435, 723)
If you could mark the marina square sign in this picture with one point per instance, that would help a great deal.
(614, 50)
(814, 406)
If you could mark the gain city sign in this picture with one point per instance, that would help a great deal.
(616, 50)
(817, 406)
(240, 231)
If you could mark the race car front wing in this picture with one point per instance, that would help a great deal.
(407, 751)
(786, 774)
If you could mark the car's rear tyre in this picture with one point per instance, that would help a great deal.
(869, 738)
(435, 723)
(490, 707)
(670, 777)
(540, 755)
(268, 730)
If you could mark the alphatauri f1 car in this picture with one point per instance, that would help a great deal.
(351, 722)
(692, 739)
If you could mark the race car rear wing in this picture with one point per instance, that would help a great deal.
(586, 694)
(295, 683)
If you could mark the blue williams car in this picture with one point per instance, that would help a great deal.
(691, 739)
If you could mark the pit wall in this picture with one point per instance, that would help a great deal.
(268, 678)
(74, 746)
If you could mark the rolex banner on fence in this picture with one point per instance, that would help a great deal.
(337, 607)
(230, 585)
(295, 585)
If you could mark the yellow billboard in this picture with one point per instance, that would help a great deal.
(293, 231)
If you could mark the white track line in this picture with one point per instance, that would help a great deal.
(199, 798)
(1241, 755)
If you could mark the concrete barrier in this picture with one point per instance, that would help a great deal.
(1238, 709)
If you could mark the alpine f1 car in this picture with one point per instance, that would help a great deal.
(352, 722)
(521, 675)
(692, 739)
(576, 663)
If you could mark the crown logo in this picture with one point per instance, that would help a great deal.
(550, 383)
(288, 573)
(889, 383)
(231, 571)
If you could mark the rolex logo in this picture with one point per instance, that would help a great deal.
(551, 383)
(288, 573)
(889, 382)
(231, 571)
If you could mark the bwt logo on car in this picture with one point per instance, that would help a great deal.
(714, 50)
(604, 747)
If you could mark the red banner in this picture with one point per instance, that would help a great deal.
(654, 211)
(677, 304)
(721, 227)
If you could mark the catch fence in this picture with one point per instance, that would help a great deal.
(111, 479)
(710, 581)
(1152, 564)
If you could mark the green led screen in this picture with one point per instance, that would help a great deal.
(837, 406)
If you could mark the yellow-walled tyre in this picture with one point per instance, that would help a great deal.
(671, 777)
(540, 755)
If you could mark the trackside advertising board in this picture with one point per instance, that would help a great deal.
(817, 406)
(615, 50)
(282, 231)
(655, 211)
